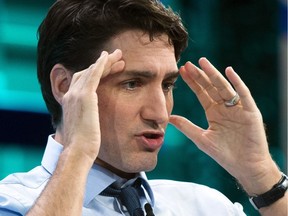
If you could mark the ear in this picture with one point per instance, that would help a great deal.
(60, 79)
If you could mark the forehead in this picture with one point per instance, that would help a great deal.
(139, 51)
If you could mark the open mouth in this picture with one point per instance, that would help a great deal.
(153, 141)
(152, 136)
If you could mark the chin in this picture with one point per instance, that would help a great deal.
(147, 164)
(130, 166)
(129, 171)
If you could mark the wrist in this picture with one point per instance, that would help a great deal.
(268, 198)
(262, 182)
(76, 160)
(79, 146)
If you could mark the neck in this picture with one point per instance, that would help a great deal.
(98, 161)
(114, 170)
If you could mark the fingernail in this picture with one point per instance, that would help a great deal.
(103, 53)
(230, 68)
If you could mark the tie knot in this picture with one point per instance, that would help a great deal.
(128, 196)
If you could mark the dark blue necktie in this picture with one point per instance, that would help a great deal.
(128, 196)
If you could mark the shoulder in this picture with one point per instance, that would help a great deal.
(194, 197)
(178, 187)
(190, 186)
(18, 191)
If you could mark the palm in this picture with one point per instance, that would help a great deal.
(235, 137)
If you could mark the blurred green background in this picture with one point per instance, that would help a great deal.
(250, 35)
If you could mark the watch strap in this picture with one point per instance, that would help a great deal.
(271, 196)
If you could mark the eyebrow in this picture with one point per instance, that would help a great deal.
(149, 74)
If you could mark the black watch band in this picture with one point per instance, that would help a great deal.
(271, 196)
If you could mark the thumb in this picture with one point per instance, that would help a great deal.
(189, 129)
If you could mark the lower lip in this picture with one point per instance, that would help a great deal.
(151, 144)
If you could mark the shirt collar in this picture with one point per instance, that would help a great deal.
(98, 178)
(51, 154)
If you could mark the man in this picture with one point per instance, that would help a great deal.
(110, 114)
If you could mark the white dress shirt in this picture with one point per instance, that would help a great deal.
(19, 191)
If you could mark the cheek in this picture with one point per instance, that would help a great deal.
(170, 103)
(106, 109)
(114, 112)
(107, 100)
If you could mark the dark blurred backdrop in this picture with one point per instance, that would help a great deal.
(250, 35)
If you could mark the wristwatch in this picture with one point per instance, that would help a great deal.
(271, 196)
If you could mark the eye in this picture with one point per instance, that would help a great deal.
(168, 86)
(131, 84)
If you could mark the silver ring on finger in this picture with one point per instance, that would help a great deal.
(233, 101)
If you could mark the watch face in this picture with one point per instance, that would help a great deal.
(285, 183)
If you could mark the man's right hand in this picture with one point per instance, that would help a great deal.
(80, 135)
(80, 129)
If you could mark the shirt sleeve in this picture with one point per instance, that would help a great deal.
(4, 212)
(11, 206)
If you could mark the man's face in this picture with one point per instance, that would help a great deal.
(135, 104)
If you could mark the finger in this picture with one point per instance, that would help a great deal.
(117, 67)
(224, 88)
(114, 64)
(105, 64)
(81, 77)
(195, 133)
(101, 68)
(246, 98)
(204, 98)
(190, 81)
(203, 80)
(205, 91)
(189, 129)
(75, 78)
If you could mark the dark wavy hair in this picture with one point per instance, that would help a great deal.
(74, 33)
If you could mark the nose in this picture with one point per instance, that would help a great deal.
(157, 106)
